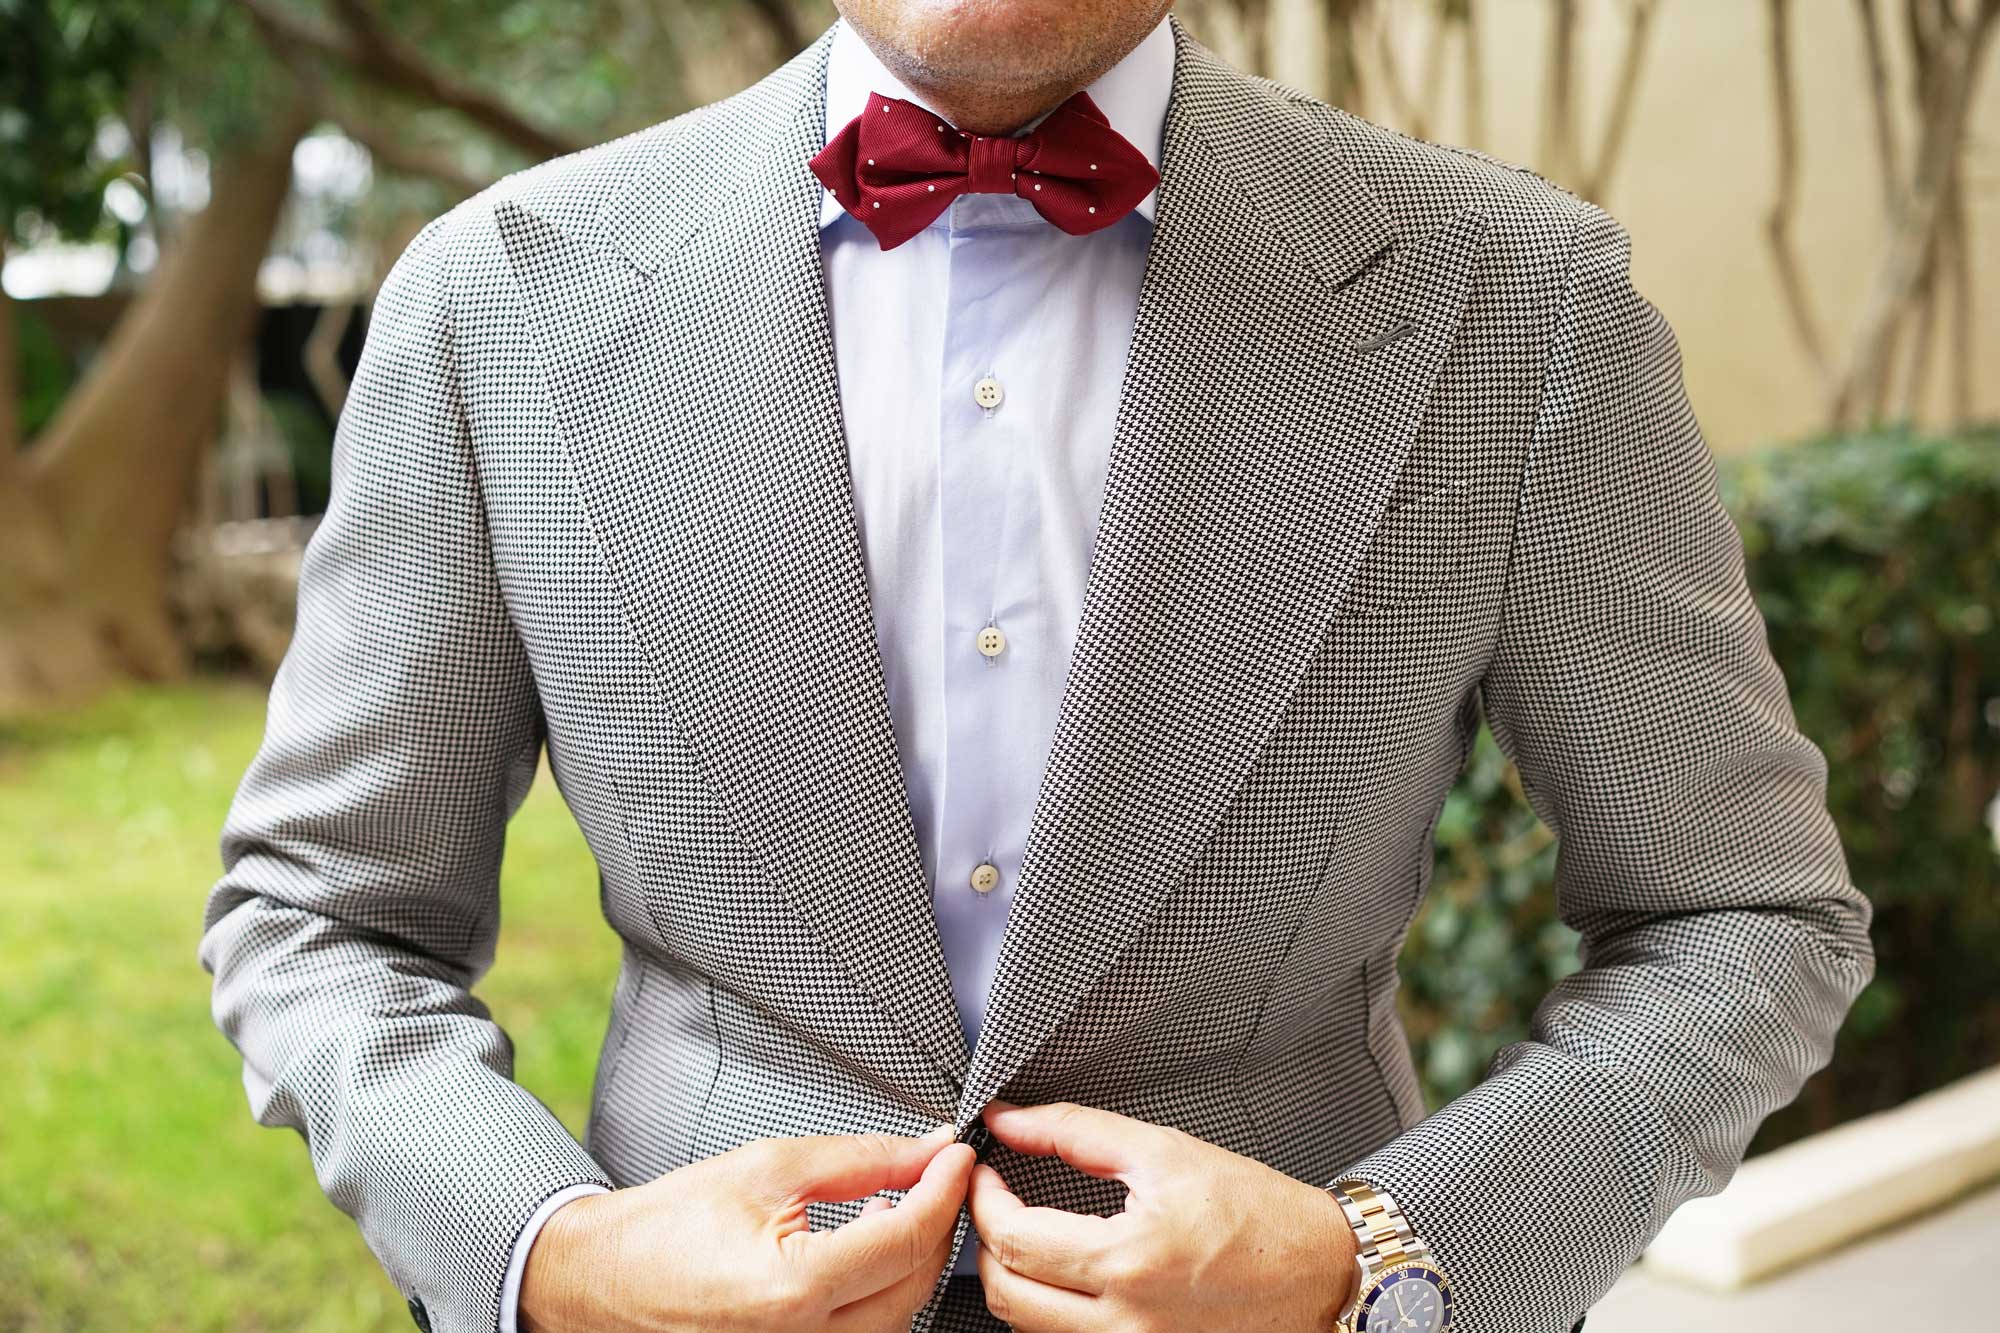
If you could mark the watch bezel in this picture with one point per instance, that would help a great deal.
(1394, 1274)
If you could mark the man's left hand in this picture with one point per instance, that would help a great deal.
(1208, 1239)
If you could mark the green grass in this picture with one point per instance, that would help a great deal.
(135, 1190)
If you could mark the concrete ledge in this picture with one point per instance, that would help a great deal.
(1943, 1260)
(1820, 1193)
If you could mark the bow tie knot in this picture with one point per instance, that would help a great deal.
(993, 164)
(897, 166)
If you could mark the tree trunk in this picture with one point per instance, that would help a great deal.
(88, 514)
(10, 376)
(48, 650)
(1947, 87)
(43, 650)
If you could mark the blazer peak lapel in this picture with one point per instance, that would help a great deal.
(1270, 397)
(691, 366)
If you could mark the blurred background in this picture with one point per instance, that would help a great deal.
(198, 198)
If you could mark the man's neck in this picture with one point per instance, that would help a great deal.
(992, 109)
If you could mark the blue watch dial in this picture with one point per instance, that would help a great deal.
(1409, 1300)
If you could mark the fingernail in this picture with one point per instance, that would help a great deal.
(942, 1132)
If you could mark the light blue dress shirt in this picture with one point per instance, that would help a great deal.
(979, 365)
(977, 516)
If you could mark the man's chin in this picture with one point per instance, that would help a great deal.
(1000, 44)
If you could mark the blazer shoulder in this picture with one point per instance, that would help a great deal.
(672, 159)
(1422, 183)
(567, 192)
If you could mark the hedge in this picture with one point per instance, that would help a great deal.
(1876, 561)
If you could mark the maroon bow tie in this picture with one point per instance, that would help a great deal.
(897, 166)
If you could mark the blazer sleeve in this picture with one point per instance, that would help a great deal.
(1722, 939)
(360, 895)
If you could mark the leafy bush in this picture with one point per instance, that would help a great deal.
(1876, 561)
(44, 373)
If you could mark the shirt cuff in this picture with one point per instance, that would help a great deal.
(510, 1293)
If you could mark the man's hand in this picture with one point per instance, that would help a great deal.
(1208, 1240)
(724, 1242)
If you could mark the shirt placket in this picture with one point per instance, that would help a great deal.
(982, 418)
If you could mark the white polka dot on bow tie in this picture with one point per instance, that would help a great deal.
(930, 189)
(1093, 166)
(885, 108)
(1038, 185)
(1093, 208)
(871, 161)
(878, 203)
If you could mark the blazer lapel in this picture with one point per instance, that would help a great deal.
(1264, 420)
(690, 359)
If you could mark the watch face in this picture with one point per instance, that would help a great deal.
(1408, 1300)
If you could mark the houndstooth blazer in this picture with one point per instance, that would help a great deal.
(1398, 443)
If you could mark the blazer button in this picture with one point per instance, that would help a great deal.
(991, 641)
(985, 877)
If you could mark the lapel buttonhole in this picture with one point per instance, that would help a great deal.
(1401, 329)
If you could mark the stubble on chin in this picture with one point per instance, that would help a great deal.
(990, 51)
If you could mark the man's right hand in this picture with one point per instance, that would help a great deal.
(724, 1243)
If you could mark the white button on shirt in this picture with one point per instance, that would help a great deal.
(979, 367)
(980, 363)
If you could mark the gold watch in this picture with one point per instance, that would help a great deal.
(1401, 1289)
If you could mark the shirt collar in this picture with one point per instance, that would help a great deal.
(1132, 94)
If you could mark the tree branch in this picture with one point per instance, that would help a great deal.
(1433, 75)
(366, 48)
(1887, 159)
(783, 25)
(1397, 96)
(1778, 223)
(392, 153)
(1957, 245)
(1475, 77)
(1558, 151)
(385, 149)
(1953, 63)
(10, 381)
(1625, 94)
(1920, 316)
(1342, 58)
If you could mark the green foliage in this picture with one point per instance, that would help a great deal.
(581, 68)
(307, 442)
(1487, 944)
(1875, 558)
(65, 70)
(44, 372)
(136, 1191)
(74, 67)
(1876, 561)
